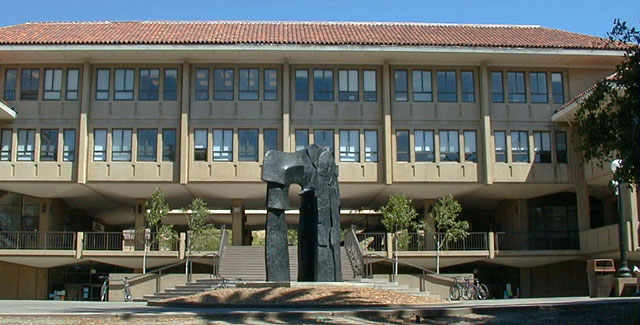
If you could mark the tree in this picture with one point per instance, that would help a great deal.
(443, 224)
(197, 227)
(397, 215)
(608, 121)
(157, 209)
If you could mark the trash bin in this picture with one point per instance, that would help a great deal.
(600, 274)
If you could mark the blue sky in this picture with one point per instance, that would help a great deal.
(594, 17)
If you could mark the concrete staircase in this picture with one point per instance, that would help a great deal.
(400, 288)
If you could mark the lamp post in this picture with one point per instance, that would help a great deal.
(623, 269)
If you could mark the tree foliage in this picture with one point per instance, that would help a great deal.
(157, 210)
(609, 119)
(398, 214)
(201, 235)
(444, 221)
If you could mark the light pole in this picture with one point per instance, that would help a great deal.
(623, 269)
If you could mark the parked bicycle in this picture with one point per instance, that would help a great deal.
(105, 288)
(469, 289)
(456, 289)
(104, 291)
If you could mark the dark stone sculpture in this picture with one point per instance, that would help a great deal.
(314, 169)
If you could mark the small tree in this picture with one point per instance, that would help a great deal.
(157, 209)
(397, 215)
(197, 227)
(444, 225)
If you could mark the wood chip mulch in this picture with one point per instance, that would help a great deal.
(331, 295)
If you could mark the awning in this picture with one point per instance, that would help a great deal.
(6, 112)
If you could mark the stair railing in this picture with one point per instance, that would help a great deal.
(217, 258)
(425, 271)
(355, 253)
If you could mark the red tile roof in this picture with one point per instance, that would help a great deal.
(303, 33)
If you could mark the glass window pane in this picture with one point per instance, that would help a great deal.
(557, 88)
(123, 87)
(468, 86)
(500, 146)
(147, 144)
(447, 91)
(402, 145)
(200, 145)
(349, 145)
(270, 84)
(102, 84)
(323, 138)
(99, 145)
(10, 79)
(72, 84)
(223, 145)
(538, 82)
(121, 145)
(370, 86)
(423, 145)
(421, 86)
(6, 139)
(48, 145)
(248, 84)
(302, 139)
(400, 84)
(29, 84)
(497, 89)
(371, 146)
(516, 87)
(270, 139)
(323, 85)
(170, 91)
(561, 148)
(248, 145)
(202, 84)
(348, 85)
(302, 85)
(52, 84)
(470, 146)
(149, 88)
(520, 146)
(168, 145)
(26, 145)
(449, 146)
(223, 84)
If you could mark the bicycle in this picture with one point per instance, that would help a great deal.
(104, 291)
(468, 290)
(482, 291)
(127, 290)
(455, 289)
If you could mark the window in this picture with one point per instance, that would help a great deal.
(497, 89)
(538, 82)
(449, 146)
(202, 84)
(542, 147)
(302, 85)
(102, 84)
(26, 144)
(468, 87)
(29, 84)
(557, 88)
(400, 85)
(149, 84)
(10, 76)
(323, 85)
(402, 145)
(170, 87)
(147, 144)
(371, 146)
(121, 145)
(348, 85)
(222, 145)
(500, 139)
(561, 147)
(48, 145)
(447, 91)
(470, 146)
(52, 84)
(248, 145)
(519, 146)
(5, 145)
(423, 145)
(169, 145)
(200, 145)
(422, 91)
(302, 139)
(123, 88)
(69, 145)
(323, 138)
(370, 86)
(270, 84)
(72, 84)
(349, 145)
(99, 145)
(270, 139)
(249, 84)
(223, 84)
(515, 82)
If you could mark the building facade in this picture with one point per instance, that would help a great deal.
(96, 116)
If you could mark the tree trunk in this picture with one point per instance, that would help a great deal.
(395, 254)
(437, 253)
(144, 259)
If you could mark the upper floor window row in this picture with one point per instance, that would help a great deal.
(248, 82)
(348, 140)
(541, 146)
(351, 85)
(223, 144)
(424, 149)
(48, 142)
(146, 145)
(123, 84)
(516, 87)
(422, 86)
(52, 84)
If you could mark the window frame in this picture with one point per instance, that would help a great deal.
(371, 149)
(538, 90)
(148, 91)
(406, 148)
(124, 91)
(26, 154)
(222, 92)
(542, 156)
(416, 91)
(502, 152)
(10, 94)
(246, 154)
(349, 151)
(49, 144)
(370, 95)
(301, 95)
(553, 89)
(122, 154)
(250, 90)
(266, 140)
(495, 99)
(324, 133)
(269, 93)
(169, 148)
(103, 144)
(298, 134)
(517, 91)
(323, 85)
(53, 84)
(448, 155)
(69, 145)
(29, 87)
(147, 151)
(6, 147)
(519, 151)
(200, 150)
(222, 155)
(348, 95)
(562, 155)
(200, 87)
(445, 91)
(468, 95)
(420, 145)
(397, 76)
(70, 88)
(470, 155)
(103, 91)
(170, 93)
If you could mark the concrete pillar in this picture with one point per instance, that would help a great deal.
(184, 123)
(140, 225)
(83, 128)
(238, 220)
(389, 244)
(525, 282)
(491, 244)
(45, 223)
(386, 115)
(79, 244)
(485, 126)
(182, 249)
(630, 212)
(428, 205)
(286, 106)
(582, 188)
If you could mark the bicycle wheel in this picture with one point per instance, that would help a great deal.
(454, 292)
(468, 292)
(483, 292)
(103, 294)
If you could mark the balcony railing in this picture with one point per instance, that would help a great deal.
(37, 240)
(128, 241)
(548, 240)
(426, 242)
(372, 241)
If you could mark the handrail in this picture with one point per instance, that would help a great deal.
(355, 253)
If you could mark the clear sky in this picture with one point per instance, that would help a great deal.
(594, 17)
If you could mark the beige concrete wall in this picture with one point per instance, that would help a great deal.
(597, 240)
(146, 285)
(22, 282)
(559, 279)
(52, 214)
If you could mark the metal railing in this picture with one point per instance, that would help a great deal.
(106, 241)
(128, 241)
(548, 240)
(355, 254)
(372, 241)
(426, 242)
(37, 240)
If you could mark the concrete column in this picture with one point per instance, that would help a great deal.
(286, 106)
(630, 212)
(485, 126)
(428, 205)
(491, 244)
(182, 246)
(140, 222)
(525, 282)
(83, 128)
(238, 220)
(386, 115)
(79, 244)
(582, 189)
(184, 123)
(389, 245)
